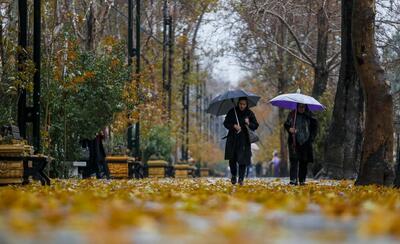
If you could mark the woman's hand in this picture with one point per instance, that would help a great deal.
(247, 121)
(292, 130)
(237, 127)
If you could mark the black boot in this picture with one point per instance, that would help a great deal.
(241, 181)
(233, 180)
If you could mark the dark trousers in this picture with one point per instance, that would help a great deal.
(298, 164)
(233, 165)
(298, 170)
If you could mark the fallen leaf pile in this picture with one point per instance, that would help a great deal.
(153, 210)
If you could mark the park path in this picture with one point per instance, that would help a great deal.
(204, 210)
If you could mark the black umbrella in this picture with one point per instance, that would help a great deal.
(224, 102)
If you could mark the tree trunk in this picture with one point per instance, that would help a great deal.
(283, 167)
(321, 72)
(2, 56)
(184, 100)
(397, 179)
(343, 147)
(282, 84)
(91, 24)
(377, 149)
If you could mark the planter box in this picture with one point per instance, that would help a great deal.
(157, 168)
(182, 170)
(204, 172)
(12, 170)
(119, 166)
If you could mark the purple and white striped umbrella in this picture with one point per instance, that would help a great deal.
(290, 101)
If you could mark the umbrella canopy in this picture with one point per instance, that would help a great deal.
(224, 102)
(290, 101)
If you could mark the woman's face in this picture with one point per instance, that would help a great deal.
(242, 105)
(301, 108)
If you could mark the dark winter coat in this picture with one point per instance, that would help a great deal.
(97, 155)
(238, 144)
(302, 152)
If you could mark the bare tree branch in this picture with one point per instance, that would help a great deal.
(292, 53)
(296, 39)
(332, 59)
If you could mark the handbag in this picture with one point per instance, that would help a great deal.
(253, 137)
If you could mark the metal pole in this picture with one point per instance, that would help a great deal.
(204, 105)
(130, 32)
(164, 53)
(36, 77)
(22, 42)
(183, 103)
(170, 63)
(198, 96)
(398, 150)
(210, 119)
(130, 56)
(187, 113)
(137, 127)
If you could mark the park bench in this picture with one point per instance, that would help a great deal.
(18, 161)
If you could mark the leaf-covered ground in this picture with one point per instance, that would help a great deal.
(198, 211)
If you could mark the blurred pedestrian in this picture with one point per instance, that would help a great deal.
(275, 163)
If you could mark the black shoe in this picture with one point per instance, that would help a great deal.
(233, 180)
(240, 182)
(293, 183)
(302, 183)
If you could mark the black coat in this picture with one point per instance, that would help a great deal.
(97, 155)
(301, 152)
(238, 144)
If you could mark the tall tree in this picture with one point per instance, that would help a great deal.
(324, 61)
(343, 147)
(377, 149)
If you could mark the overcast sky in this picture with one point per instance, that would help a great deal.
(213, 36)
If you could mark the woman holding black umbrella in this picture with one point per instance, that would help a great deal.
(238, 120)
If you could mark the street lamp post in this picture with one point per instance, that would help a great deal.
(22, 43)
(137, 53)
(36, 77)
(29, 114)
(164, 53)
(170, 60)
(130, 56)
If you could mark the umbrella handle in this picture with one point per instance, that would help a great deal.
(294, 127)
(234, 109)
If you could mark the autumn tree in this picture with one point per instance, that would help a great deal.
(377, 149)
(343, 146)
(278, 42)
